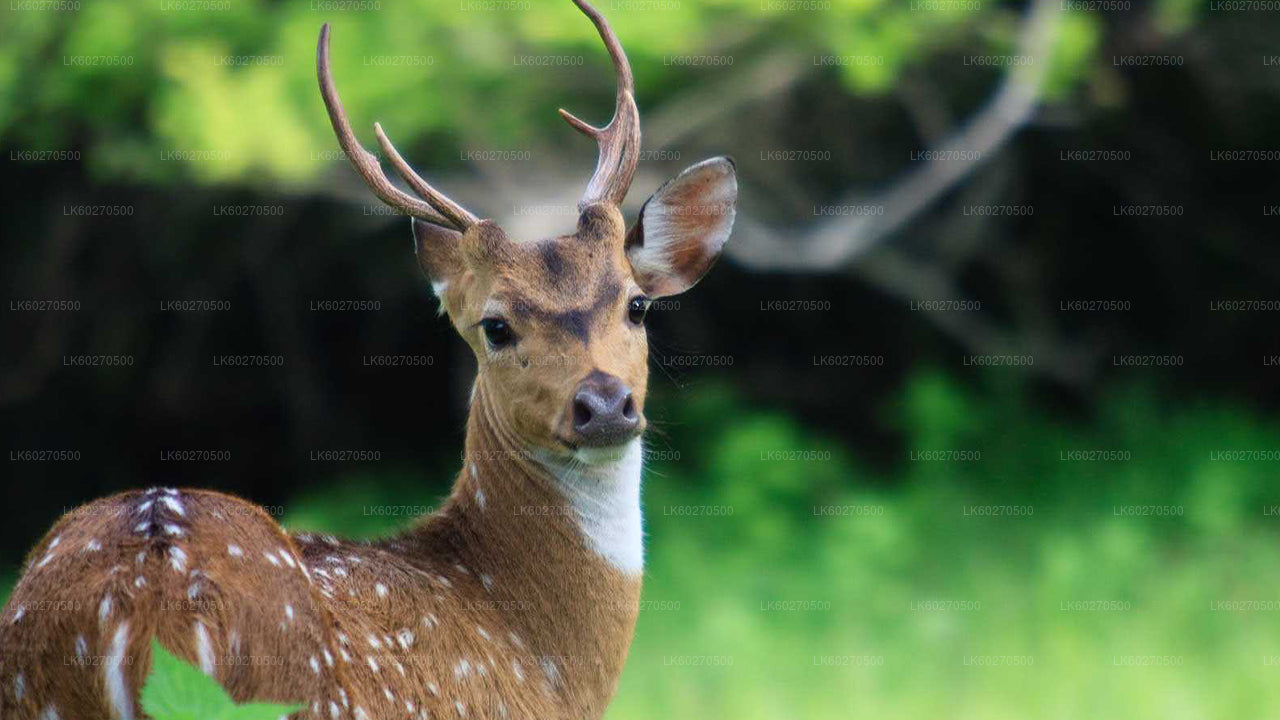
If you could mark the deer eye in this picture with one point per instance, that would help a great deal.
(637, 308)
(497, 332)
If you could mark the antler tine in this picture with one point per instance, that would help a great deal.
(619, 141)
(433, 206)
(460, 216)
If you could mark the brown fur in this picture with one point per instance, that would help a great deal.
(493, 607)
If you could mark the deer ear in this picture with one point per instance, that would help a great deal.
(683, 228)
(439, 251)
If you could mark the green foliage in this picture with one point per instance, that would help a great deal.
(178, 691)
(230, 95)
(711, 576)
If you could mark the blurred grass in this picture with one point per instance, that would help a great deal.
(708, 645)
(874, 569)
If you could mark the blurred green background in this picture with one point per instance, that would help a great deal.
(915, 534)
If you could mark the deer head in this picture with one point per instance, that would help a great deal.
(557, 324)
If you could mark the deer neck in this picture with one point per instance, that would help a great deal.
(556, 546)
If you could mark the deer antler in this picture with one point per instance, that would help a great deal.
(437, 207)
(619, 140)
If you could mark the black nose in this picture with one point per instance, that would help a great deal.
(604, 412)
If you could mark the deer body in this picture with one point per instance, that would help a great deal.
(517, 599)
(496, 606)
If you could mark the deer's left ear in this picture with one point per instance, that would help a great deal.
(683, 228)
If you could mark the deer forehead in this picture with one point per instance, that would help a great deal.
(568, 283)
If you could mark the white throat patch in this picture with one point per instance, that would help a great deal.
(605, 499)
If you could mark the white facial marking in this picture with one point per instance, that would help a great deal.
(605, 497)
(118, 695)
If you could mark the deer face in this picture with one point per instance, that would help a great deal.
(557, 325)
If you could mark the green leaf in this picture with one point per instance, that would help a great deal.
(178, 691)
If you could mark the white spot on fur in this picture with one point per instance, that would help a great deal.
(271, 558)
(171, 529)
(483, 633)
(54, 543)
(45, 560)
(288, 559)
(19, 686)
(49, 713)
(487, 581)
(480, 498)
(288, 611)
(118, 695)
(361, 714)
(380, 589)
(173, 504)
(22, 610)
(234, 550)
(139, 582)
(333, 710)
(519, 671)
(386, 692)
(92, 546)
(178, 559)
(328, 658)
(435, 690)
(144, 507)
(104, 609)
(373, 664)
(204, 650)
(462, 669)
(462, 709)
(405, 638)
(82, 647)
(374, 642)
(314, 663)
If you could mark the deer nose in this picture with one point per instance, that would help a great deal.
(604, 413)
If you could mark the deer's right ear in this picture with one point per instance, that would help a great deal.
(683, 228)
(439, 251)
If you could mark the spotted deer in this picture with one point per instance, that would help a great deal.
(517, 598)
